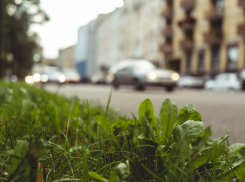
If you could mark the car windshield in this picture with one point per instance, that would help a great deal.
(118, 66)
(69, 71)
(51, 72)
(143, 65)
(226, 77)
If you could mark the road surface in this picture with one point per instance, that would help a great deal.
(223, 111)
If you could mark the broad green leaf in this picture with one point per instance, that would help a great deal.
(184, 135)
(97, 176)
(168, 115)
(135, 119)
(208, 154)
(241, 151)
(235, 147)
(103, 122)
(221, 139)
(146, 110)
(137, 132)
(232, 168)
(4, 154)
(240, 172)
(120, 173)
(195, 116)
(188, 113)
(189, 107)
(206, 133)
(183, 116)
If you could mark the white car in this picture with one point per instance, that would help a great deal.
(187, 81)
(72, 76)
(98, 78)
(141, 73)
(223, 82)
(52, 74)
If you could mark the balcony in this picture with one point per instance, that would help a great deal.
(186, 45)
(241, 29)
(188, 4)
(167, 48)
(213, 37)
(168, 31)
(187, 24)
(167, 13)
(241, 3)
(214, 15)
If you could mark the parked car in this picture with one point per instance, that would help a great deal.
(98, 78)
(242, 75)
(72, 76)
(223, 82)
(52, 74)
(188, 81)
(141, 73)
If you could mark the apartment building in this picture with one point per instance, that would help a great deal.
(132, 31)
(84, 51)
(204, 36)
(108, 38)
(66, 58)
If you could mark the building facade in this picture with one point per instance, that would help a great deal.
(66, 58)
(204, 36)
(85, 51)
(133, 31)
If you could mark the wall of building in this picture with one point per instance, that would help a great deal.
(66, 58)
(84, 51)
(133, 31)
(232, 16)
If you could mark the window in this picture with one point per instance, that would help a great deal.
(215, 59)
(201, 62)
(188, 63)
(219, 7)
(232, 55)
(144, 65)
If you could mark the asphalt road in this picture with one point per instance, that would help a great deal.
(223, 111)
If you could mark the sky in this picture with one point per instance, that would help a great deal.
(66, 16)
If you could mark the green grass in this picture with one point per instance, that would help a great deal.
(78, 140)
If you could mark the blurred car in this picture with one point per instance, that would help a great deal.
(51, 74)
(242, 75)
(98, 78)
(72, 76)
(223, 82)
(141, 73)
(188, 81)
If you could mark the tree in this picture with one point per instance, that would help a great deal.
(19, 45)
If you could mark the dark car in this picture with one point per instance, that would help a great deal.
(141, 73)
(243, 79)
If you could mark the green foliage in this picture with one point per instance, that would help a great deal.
(168, 115)
(18, 44)
(81, 141)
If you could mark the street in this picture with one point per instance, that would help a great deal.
(223, 111)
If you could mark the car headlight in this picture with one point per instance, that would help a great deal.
(62, 78)
(36, 77)
(175, 76)
(110, 77)
(44, 78)
(151, 76)
(29, 79)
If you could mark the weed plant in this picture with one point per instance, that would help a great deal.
(46, 137)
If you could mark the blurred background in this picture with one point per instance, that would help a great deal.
(198, 39)
(175, 44)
